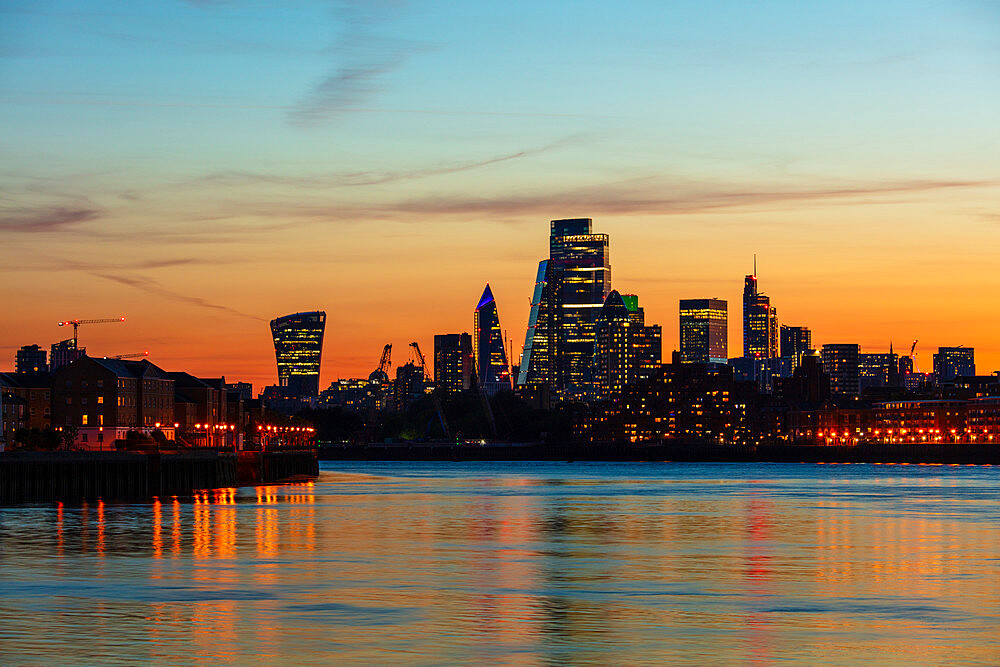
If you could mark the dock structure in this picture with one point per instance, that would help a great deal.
(27, 477)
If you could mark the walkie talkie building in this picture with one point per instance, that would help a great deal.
(298, 349)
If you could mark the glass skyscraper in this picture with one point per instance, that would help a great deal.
(491, 357)
(760, 322)
(453, 362)
(625, 350)
(298, 348)
(704, 331)
(541, 341)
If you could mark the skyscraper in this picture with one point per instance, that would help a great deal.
(539, 359)
(453, 362)
(953, 362)
(878, 370)
(31, 359)
(625, 349)
(795, 341)
(298, 349)
(490, 356)
(704, 331)
(760, 321)
(842, 362)
(581, 258)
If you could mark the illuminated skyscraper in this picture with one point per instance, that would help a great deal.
(704, 331)
(760, 322)
(581, 258)
(625, 349)
(298, 348)
(453, 362)
(492, 369)
(541, 341)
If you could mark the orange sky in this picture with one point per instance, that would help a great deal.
(868, 268)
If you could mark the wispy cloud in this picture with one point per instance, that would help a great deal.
(361, 57)
(46, 218)
(364, 178)
(153, 287)
(638, 197)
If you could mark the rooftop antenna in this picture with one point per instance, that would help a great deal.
(755, 265)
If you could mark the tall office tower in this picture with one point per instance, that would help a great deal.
(953, 362)
(539, 359)
(760, 321)
(795, 341)
(841, 361)
(298, 349)
(492, 369)
(64, 352)
(31, 359)
(409, 385)
(878, 370)
(453, 362)
(581, 257)
(704, 330)
(625, 349)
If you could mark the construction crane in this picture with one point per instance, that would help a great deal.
(133, 355)
(913, 356)
(76, 325)
(381, 374)
(378, 379)
(434, 396)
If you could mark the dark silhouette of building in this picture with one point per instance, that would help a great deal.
(104, 399)
(760, 321)
(454, 362)
(492, 369)
(841, 361)
(704, 331)
(31, 359)
(36, 391)
(409, 384)
(298, 350)
(795, 341)
(953, 362)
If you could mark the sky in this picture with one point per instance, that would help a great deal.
(203, 167)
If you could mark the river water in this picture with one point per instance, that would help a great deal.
(519, 563)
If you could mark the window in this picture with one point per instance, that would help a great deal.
(100, 419)
(100, 383)
(69, 400)
(83, 438)
(46, 396)
(100, 399)
(83, 421)
(83, 401)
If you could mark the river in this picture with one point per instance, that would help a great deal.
(525, 563)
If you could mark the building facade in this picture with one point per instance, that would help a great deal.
(540, 358)
(794, 342)
(760, 322)
(704, 331)
(626, 351)
(298, 351)
(65, 352)
(841, 361)
(953, 362)
(454, 361)
(31, 359)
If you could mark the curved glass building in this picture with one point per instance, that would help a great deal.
(298, 348)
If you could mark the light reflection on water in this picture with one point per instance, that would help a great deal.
(527, 563)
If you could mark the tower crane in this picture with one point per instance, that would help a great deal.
(914, 356)
(76, 325)
(133, 355)
(434, 396)
(377, 381)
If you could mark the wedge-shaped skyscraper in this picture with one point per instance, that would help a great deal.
(492, 369)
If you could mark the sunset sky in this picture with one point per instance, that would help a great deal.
(203, 167)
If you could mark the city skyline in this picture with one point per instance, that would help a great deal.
(205, 167)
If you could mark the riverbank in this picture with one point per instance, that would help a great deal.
(674, 451)
(78, 476)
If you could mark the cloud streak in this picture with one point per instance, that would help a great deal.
(152, 287)
(363, 56)
(643, 197)
(47, 219)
